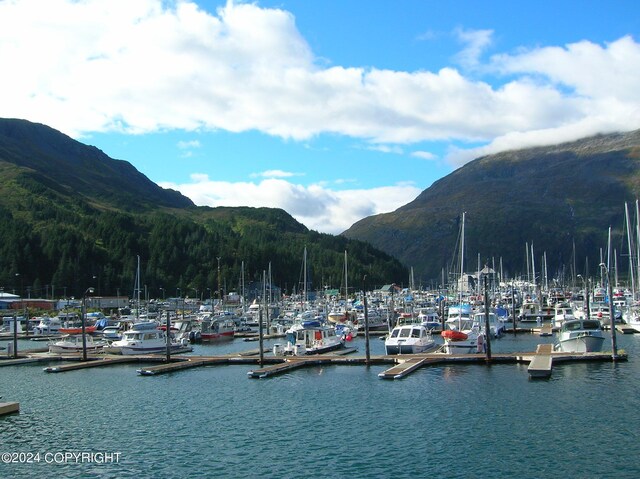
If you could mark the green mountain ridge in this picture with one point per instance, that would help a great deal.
(552, 197)
(74, 218)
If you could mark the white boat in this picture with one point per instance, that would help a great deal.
(217, 328)
(72, 343)
(409, 339)
(496, 324)
(311, 337)
(562, 312)
(467, 340)
(47, 326)
(146, 341)
(580, 336)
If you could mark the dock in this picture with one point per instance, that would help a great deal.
(542, 362)
(405, 368)
(9, 408)
(91, 363)
(625, 329)
(546, 330)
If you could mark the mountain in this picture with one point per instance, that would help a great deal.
(550, 197)
(73, 218)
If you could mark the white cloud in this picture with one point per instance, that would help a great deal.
(275, 174)
(149, 65)
(425, 155)
(315, 206)
(476, 41)
(187, 145)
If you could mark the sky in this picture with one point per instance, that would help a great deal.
(333, 110)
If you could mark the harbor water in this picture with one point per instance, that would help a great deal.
(449, 421)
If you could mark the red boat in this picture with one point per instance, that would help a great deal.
(454, 335)
(77, 330)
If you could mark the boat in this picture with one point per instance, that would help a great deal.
(47, 326)
(409, 339)
(562, 312)
(311, 337)
(72, 343)
(580, 336)
(142, 339)
(217, 328)
(496, 325)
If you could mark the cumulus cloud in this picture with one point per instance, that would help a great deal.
(316, 206)
(155, 65)
(150, 65)
(275, 174)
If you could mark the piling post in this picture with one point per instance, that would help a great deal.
(487, 327)
(366, 321)
(168, 337)
(612, 319)
(260, 336)
(15, 336)
(513, 307)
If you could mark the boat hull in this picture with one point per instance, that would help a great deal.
(585, 343)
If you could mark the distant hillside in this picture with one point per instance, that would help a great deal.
(549, 196)
(71, 217)
(70, 167)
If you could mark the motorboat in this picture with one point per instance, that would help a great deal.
(562, 312)
(146, 341)
(72, 343)
(47, 326)
(217, 328)
(409, 339)
(464, 336)
(311, 337)
(580, 336)
(496, 324)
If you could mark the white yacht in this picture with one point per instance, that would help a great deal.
(311, 337)
(580, 336)
(72, 343)
(409, 339)
(146, 341)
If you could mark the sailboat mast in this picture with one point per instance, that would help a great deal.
(138, 290)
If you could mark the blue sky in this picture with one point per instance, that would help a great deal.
(333, 110)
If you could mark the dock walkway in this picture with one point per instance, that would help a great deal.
(542, 362)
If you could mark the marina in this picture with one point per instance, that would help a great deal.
(215, 377)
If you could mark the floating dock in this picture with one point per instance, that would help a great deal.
(542, 362)
(9, 408)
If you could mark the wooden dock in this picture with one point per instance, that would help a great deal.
(542, 362)
(546, 330)
(181, 364)
(9, 408)
(91, 363)
(625, 329)
(405, 368)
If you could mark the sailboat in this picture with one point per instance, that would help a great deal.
(463, 333)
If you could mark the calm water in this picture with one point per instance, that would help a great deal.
(327, 422)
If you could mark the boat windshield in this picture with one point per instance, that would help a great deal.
(415, 333)
(405, 332)
(394, 333)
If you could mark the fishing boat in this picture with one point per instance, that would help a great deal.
(46, 326)
(217, 328)
(409, 339)
(496, 324)
(580, 336)
(311, 337)
(146, 341)
(562, 312)
(72, 343)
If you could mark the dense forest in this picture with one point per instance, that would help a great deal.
(57, 239)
